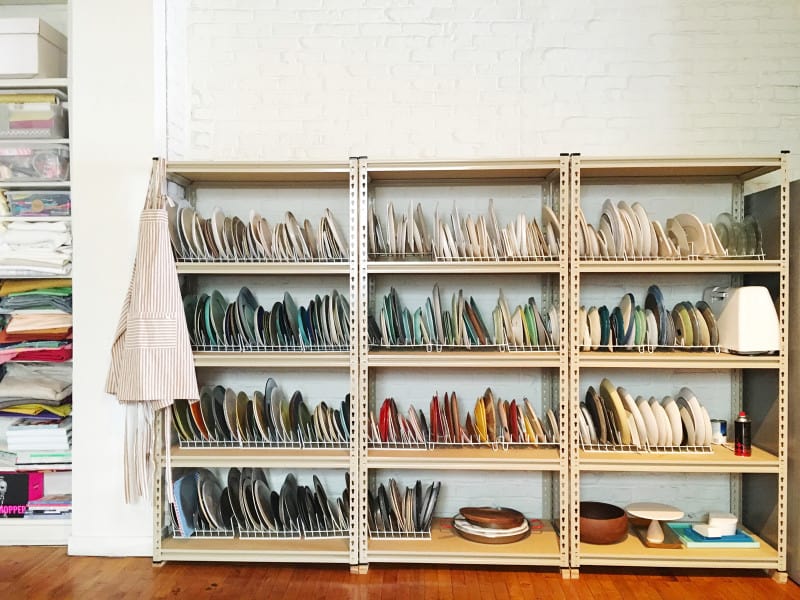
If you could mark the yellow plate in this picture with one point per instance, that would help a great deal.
(491, 419)
(529, 428)
(480, 420)
(613, 403)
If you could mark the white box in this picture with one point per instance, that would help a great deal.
(29, 47)
(724, 522)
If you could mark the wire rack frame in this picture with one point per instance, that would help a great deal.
(690, 258)
(250, 260)
(645, 449)
(207, 534)
(374, 345)
(399, 535)
(650, 348)
(244, 347)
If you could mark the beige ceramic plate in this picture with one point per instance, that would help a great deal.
(613, 404)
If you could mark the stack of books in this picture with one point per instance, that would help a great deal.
(55, 506)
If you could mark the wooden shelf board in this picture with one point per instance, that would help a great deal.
(722, 460)
(672, 167)
(633, 359)
(297, 551)
(446, 546)
(272, 359)
(498, 266)
(682, 267)
(35, 532)
(632, 553)
(256, 268)
(466, 459)
(476, 359)
(60, 83)
(462, 170)
(239, 173)
(245, 457)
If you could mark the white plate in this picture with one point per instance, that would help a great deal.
(695, 233)
(587, 416)
(665, 249)
(631, 229)
(707, 426)
(639, 431)
(634, 431)
(697, 416)
(713, 242)
(593, 320)
(674, 415)
(652, 328)
(688, 425)
(664, 426)
(677, 235)
(649, 419)
(606, 229)
(617, 228)
(644, 229)
(586, 437)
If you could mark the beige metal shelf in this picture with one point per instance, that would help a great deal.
(306, 458)
(446, 546)
(462, 267)
(232, 174)
(683, 267)
(262, 268)
(632, 553)
(466, 459)
(272, 359)
(465, 359)
(680, 168)
(421, 171)
(239, 550)
(633, 359)
(721, 460)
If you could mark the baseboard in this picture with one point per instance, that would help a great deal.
(110, 546)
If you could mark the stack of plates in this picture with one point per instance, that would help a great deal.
(399, 512)
(494, 421)
(458, 238)
(627, 232)
(229, 239)
(463, 326)
(248, 505)
(613, 418)
(491, 525)
(223, 416)
(244, 324)
(630, 325)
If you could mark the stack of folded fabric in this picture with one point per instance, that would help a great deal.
(35, 248)
(37, 391)
(36, 320)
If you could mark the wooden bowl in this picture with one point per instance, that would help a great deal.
(602, 523)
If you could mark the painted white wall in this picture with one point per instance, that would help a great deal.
(324, 79)
(113, 141)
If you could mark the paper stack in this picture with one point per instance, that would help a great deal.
(26, 435)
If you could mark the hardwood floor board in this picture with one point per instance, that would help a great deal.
(43, 573)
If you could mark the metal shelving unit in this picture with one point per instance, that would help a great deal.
(289, 176)
(758, 483)
(548, 546)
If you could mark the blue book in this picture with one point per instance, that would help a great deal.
(691, 539)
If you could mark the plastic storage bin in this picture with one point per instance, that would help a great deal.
(29, 47)
(39, 203)
(34, 162)
(32, 120)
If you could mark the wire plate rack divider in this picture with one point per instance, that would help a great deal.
(646, 449)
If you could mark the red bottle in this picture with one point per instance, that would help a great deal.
(742, 435)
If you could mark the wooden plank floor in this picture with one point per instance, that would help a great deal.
(42, 572)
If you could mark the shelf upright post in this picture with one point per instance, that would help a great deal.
(362, 412)
(783, 373)
(574, 344)
(355, 331)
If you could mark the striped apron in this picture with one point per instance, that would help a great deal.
(151, 356)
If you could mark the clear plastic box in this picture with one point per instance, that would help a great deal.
(34, 162)
(39, 203)
(32, 120)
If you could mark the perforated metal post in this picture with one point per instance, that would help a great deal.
(355, 329)
(363, 368)
(783, 372)
(574, 370)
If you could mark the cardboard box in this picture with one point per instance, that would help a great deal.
(29, 47)
(16, 490)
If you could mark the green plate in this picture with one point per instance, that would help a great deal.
(418, 326)
(530, 325)
(605, 326)
(683, 326)
(640, 326)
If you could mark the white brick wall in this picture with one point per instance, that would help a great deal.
(324, 79)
